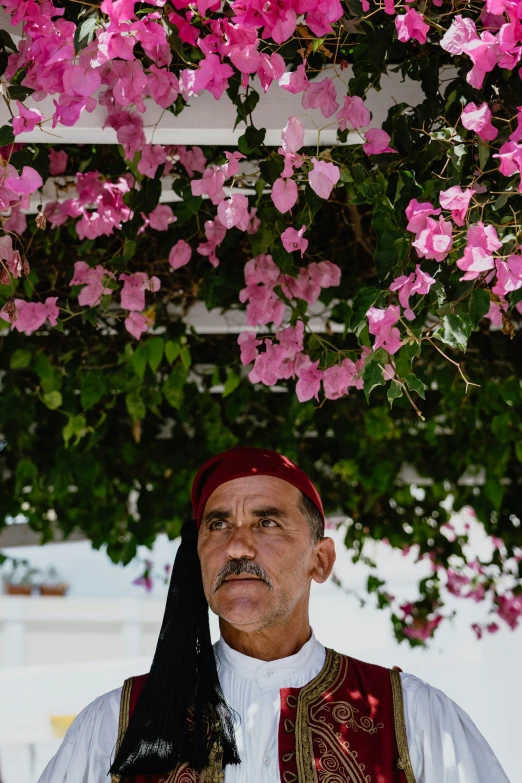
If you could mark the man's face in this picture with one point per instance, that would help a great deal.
(256, 552)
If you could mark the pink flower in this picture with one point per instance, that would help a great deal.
(161, 217)
(417, 282)
(509, 275)
(93, 280)
(418, 213)
(478, 119)
(309, 382)
(377, 141)
(16, 222)
(26, 119)
(337, 378)
(422, 628)
(354, 112)
(509, 608)
(482, 241)
(434, 241)
(461, 31)
(284, 194)
(10, 256)
(321, 95)
(32, 315)
(267, 364)
(248, 342)
(293, 135)
(293, 240)
(180, 254)
(57, 162)
(510, 155)
(134, 287)
(163, 86)
(211, 185)
(323, 177)
(325, 274)
(136, 324)
(381, 324)
(152, 156)
(301, 287)
(215, 233)
(231, 167)
(295, 81)
(261, 269)
(457, 200)
(483, 53)
(411, 25)
(234, 212)
(27, 182)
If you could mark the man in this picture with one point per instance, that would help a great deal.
(268, 703)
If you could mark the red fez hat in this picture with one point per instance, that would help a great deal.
(247, 461)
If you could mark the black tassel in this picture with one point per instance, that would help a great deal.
(181, 712)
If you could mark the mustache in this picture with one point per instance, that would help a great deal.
(242, 566)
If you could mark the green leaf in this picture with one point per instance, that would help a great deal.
(84, 32)
(518, 450)
(20, 359)
(149, 194)
(314, 201)
(415, 384)
(140, 359)
(232, 382)
(93, 386)
(456, 331)
(76, 427)
(135, 405)
(372, 376)
(173, 386)
(251, 139)
(52, 400)
(6, 135)
(186, 358)
(484, 153)
(394, 392)
(365, 298)
(129, 249)
(155, 346)
(6, 42)
(478, 305)
(172, 351)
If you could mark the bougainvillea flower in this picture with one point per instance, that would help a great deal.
(26, 119)
(411, 25)
(294, 240)
(478, 119)
(323, 177)
(435, 240)
(180, 254)
(377, 142)
(353, 112)
(456, 200)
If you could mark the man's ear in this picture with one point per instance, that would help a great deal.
(324, 560)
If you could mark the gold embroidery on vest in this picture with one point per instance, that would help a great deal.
(404, 761)
(291, 701)
(290, 777)
(123, 721)
(289, 726)
(337, 762)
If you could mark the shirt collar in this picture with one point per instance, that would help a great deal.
(310, 656)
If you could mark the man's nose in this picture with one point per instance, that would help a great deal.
(240, 543)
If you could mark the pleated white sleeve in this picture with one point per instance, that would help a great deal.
(445, 745)
(87, 750)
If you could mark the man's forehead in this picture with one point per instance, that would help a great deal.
(253, 490)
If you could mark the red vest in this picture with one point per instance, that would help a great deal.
(346, 726)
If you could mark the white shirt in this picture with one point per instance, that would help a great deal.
(445, 746)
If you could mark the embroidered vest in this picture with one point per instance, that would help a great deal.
(346, 726)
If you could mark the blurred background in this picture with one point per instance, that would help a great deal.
(59, 652)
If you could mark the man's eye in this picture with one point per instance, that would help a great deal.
(216, 524)
(268, 523)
